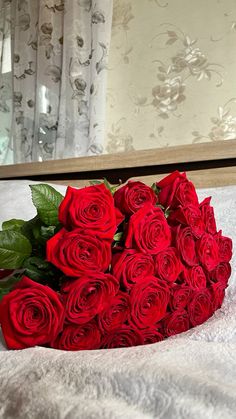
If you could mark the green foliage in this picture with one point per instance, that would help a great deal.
(13, 224)
(112, 188)
(47, 232)
(95, 182)
(167, 212)
(46, 200)
(155, 188)
(6, 285)
(118, 236)
(23, 243)
(14, 249)
(31, 228)
(38, 269)
(109, 186)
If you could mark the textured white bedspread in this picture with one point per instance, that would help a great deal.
(192, 375)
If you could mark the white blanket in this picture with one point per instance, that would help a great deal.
(192, 375)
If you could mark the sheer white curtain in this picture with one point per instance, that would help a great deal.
(6, 92)
(58, 77)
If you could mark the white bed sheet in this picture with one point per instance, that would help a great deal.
(192, 375)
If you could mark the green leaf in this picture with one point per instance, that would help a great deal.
(13, 224)
(167, 212)
(6, 286)
(95, 182)
(47, 232)
(38, 269)
(46, 200)
(155, 188)
(14, 249)
(3, 292)
(112, 188)
(30, 227)
(107, 184)
(118, 237)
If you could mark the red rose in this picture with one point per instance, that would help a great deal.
(200, 308)
(90, 208)
(122, 337)
(208, 251)
(225, 247)
(176, 190)
(148, 230)
(168, 265)
(218, 291)
(32, 314)
(149, 300)
(77, 252)
(176, 322)
(221, 273)
(115, 314)
(186, 245)
(208, 216)
(133, 196)
(195, 277)
(87, 296)
(131, 266)
(180, 296)
(190, 216)
(151, 335)
(76, 337)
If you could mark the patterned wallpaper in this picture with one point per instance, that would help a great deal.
(172, 73)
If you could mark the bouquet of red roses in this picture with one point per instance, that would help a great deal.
(111, 266)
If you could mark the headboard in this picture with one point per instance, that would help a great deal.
(208, 165)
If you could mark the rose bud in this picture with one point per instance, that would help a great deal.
(122, 337)
(115, 314)
(176, 322)
(195, 277)
(149, 300)
(221, 273)
(180, 296)
(208, 251)
(225, 247)
(218, 292)
(78, 252)
(76, 337)
(208, 216)
(31, 314)
(190, 216)
(151, 335)
(176, 190)
(87, 296)
(200, 307)
(186, 245)
(90, 208)
(130, 266)
(168, 265)
(133, 196)
(148, 230)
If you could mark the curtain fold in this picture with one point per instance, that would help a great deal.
(6, 85)
(59, 71)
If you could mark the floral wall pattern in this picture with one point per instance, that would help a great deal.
(171, 73)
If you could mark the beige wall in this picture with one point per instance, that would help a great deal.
(172, 73)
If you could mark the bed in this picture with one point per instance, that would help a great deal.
(191, 375)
